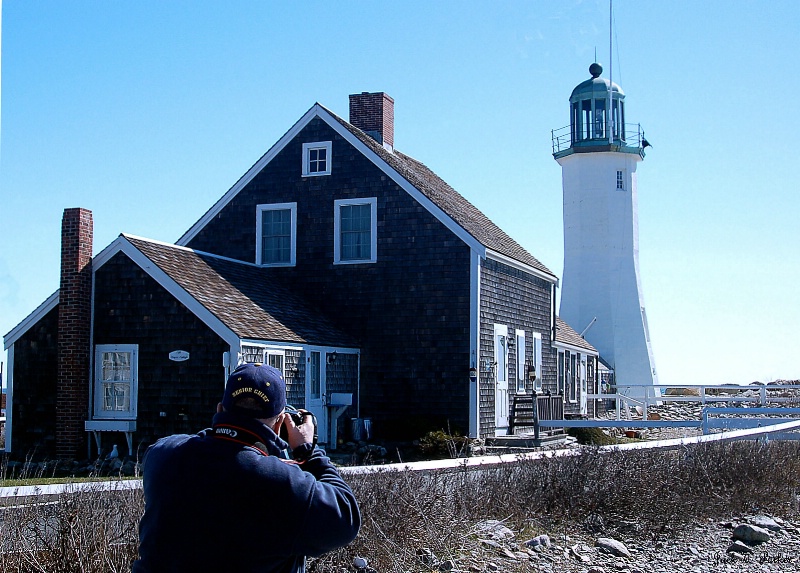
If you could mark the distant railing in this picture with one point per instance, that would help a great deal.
(563, 139)
(644, 396)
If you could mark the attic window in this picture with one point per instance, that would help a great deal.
(316, 159)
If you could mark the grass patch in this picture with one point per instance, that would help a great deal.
(17, 482)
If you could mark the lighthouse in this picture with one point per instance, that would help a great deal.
(601, 289)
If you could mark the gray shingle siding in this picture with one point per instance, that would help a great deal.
(34, 399)
(408, 312)
(518, 300)
(131, 308)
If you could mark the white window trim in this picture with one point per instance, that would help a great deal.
(99, 413)
(337, 238)
(537, 360)
(266, 351)
(307, 147)
(292, 207)
(520, 382)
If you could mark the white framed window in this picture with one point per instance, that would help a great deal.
(261, 354)
(621, 180)
(116, 381)
(355, 231)
(276, 234)
(317, 159)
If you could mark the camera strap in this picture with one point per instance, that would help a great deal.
(238, 435)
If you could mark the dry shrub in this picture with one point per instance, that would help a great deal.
(406, 514)
(90, 530)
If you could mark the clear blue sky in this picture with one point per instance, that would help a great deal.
(147, 112)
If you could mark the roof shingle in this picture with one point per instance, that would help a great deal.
(246, 298)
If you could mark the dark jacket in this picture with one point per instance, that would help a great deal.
(225, 500)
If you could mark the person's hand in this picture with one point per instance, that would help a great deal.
(299, 435)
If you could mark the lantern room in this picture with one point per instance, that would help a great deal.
(589, 117)
(592, 126)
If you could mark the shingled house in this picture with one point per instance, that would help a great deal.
(375, 287)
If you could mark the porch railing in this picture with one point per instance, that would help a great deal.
(527, 409)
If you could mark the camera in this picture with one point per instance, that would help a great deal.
(299, 417)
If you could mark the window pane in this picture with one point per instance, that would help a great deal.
(356, 228)
(276, 236)
(116, 397)
(317, 160)
(276, 361)
(116, 366)
(502, 368)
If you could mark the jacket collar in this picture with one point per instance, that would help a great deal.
(250, 431)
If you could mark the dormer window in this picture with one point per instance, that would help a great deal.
(316, 159)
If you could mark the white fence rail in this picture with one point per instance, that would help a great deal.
(476, 463)
(644, 396)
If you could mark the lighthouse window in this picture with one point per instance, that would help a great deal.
(621, 180)
(586, 119)
(599, 118)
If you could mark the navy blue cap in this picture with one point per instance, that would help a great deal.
(264, 384)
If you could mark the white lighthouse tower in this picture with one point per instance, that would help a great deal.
(602, 293)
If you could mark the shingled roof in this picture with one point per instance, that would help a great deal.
(234, 292)
(469, 217)
(566, 335)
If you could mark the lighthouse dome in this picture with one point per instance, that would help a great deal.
(595, 87)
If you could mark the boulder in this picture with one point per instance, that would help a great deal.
(750, 533)
(613, 546)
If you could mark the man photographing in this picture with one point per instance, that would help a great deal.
(226, 499)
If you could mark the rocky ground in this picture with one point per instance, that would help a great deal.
(755, 543)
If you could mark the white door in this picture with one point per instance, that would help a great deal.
(501, 405)
(315, 392)
(584, 387)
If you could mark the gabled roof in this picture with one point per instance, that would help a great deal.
(567, 337)
(232, 292)
(433, 193)
(455, 205)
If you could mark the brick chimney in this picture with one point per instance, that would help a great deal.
(74, 327)
(373, 113)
